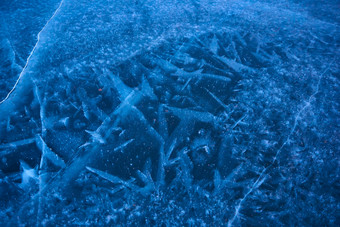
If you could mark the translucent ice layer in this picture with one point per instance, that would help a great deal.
(171, 113)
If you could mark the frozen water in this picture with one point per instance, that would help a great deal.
(167, 113)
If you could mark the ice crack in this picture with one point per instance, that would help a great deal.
(33, 50)
(261, 178)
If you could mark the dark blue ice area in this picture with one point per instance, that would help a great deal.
(169, 113)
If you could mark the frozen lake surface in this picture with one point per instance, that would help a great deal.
(169, 113)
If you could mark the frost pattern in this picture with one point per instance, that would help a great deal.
(140, 114)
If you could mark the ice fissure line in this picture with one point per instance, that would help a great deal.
(29, 57)
(261, 178)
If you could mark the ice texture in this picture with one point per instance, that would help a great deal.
(169, 113)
